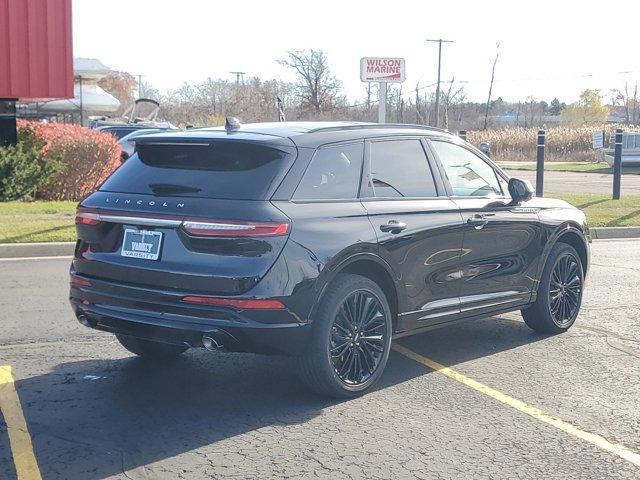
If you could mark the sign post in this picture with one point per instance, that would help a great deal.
(598, 143)
(382, 70)
(382, 102)
(598, 139)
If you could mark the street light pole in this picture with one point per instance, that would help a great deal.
(440, 41)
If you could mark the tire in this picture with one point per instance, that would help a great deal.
(149, 348)
(359, 357)
(559, 293)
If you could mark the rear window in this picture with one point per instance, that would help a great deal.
(226, 170)
(399, 168)
(334, 173)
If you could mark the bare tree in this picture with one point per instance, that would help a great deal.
(624, 99)
(399, 102)
(121, 85)
(626, 104)
(634, 116)
(449, 98)
(317, 87)
(461, 103)
(493, 73)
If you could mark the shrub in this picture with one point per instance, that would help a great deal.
(87, 157)
(22, 172)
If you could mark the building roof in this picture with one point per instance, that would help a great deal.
(90, 68)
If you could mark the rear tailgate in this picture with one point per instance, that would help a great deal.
(192, 241)
(186, 261)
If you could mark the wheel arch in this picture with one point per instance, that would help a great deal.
(572, 235)
(573, 239)
(372, 267)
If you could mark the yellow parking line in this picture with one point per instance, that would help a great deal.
(19, 438)
(523, 407)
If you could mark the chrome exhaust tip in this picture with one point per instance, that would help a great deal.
(210, 343)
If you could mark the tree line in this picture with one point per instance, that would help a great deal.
(316, 94)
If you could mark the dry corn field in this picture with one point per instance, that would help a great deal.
(564, 144)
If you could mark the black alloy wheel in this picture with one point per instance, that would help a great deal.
(559, 294)
(350, 338)
(358, 337)
(565, 289)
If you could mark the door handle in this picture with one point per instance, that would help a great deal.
(478, 220)
(393, 226)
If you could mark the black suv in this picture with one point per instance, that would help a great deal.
(318, 240)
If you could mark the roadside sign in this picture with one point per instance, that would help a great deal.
(598, 139)
(382, 69)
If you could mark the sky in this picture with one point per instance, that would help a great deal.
(547, 48)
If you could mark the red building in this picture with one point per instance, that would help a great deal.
(36, 60)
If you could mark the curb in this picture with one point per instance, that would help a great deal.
(44, 249)
(600, 233)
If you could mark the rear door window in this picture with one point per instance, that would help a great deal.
(222, 169)
(334, 173)
(399, 168)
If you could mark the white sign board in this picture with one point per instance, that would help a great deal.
(382, 69)
(598, 139)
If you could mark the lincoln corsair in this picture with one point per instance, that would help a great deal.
(324, 241)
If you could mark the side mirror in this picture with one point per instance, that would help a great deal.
(520, 190)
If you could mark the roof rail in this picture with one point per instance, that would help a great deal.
(360, 126)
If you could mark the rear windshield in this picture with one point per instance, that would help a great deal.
(226, 170)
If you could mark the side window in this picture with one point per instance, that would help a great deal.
(334, 173)
(399, 168)
(468, 174)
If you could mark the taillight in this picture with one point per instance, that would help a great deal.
(85, 217)
(234, 229)
(241, 303)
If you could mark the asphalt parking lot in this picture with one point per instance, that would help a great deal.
(580, 182)
(515, 404)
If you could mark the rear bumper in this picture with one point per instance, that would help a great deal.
(161, 316)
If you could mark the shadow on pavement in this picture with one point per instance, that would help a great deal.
(91, 419)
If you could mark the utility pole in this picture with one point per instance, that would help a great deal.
(239, 77)
(440, 42)
(138, 79)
